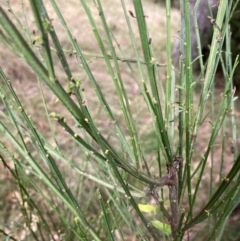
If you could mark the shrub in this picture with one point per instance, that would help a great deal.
(98, 184)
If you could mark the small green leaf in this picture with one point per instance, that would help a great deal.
(210, 123)
(234, 98)
(192, 84)
(147, 208)
(165, 228)
(180, 87)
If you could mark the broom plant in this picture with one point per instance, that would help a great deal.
(101, 186)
